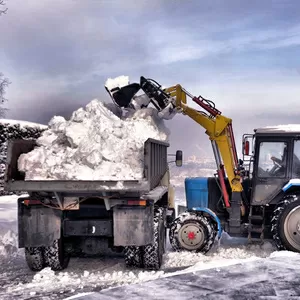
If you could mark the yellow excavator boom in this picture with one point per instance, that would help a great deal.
(219, 130)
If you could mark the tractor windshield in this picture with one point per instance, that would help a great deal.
(296, 160)
(272, 159)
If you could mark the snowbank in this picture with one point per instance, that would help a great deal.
(22, 124)
(94, 144)
(9, 245)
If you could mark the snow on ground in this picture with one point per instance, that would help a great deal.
(95, 144)
(93, 274)
(89, 274)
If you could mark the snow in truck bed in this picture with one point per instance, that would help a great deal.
(95, 144)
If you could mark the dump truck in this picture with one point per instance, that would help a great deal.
(58, 219)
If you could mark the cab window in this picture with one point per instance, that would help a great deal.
(296, 160)
(272, 160)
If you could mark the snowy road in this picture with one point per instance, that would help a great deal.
(276, 277)
(85, 275)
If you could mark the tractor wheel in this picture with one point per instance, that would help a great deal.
(286, 224)
(133, 256)
(192, 232)
(153, 254)
(34, 258)
(55, 256)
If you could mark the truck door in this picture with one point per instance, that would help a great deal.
(271, 170)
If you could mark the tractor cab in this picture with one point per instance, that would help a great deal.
(273, 161)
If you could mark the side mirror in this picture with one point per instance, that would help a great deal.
(178, 159)
(246, 147)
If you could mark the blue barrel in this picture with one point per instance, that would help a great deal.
(196, 191)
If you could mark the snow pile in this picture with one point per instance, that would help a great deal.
(8, 228)
(217, 257)
(94, 144)
(9, 244)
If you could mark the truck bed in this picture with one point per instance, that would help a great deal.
(155, 166)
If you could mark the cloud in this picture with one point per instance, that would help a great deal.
(70, 40)
(184, 45)
(58, 55)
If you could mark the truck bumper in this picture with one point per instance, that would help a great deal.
(87, 228)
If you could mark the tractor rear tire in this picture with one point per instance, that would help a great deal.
(133, 256)
(55, 256)
(192, 232)
(34, 258)
(153, 253)
(286, 224)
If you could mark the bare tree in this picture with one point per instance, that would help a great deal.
(3, 9)
(4, 82)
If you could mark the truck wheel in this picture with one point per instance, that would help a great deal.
(153, 254)
(55, 256)
(192, 232)
(133, 256)
(286, 224)
(34, 258)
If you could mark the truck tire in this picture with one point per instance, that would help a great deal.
(192, 232)
(34, 258)
(153, 254)
(285, 225)
(55, 256)
(133, 256)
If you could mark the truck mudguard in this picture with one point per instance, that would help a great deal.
(38, 226)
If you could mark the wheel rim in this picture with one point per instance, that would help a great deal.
(292, 227)
(191, 236)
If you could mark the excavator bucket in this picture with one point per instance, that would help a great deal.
(125, 97)
(122, 96)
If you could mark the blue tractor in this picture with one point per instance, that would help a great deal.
(257, 197)
(270, 206)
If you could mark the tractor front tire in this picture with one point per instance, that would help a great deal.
(192, 232)
(286, 224)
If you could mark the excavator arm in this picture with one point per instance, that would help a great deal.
(172, 100)
(219, 130)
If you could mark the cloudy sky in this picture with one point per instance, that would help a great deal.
(244, 55)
